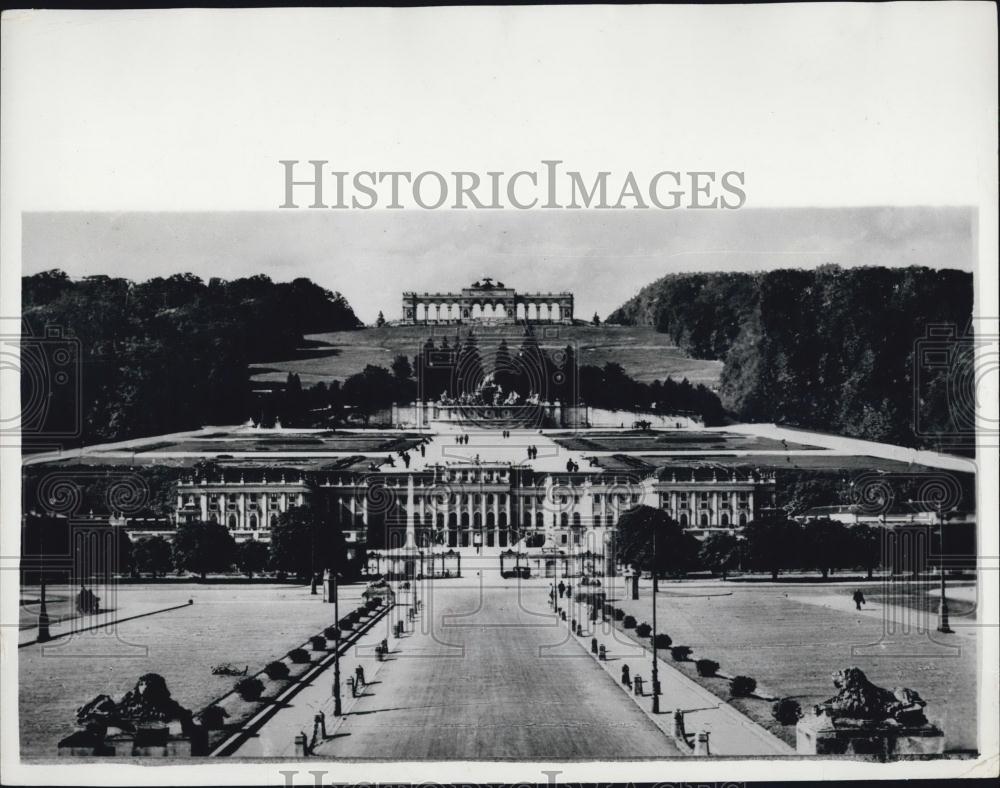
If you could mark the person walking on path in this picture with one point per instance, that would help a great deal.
(859, 599)
(626, 678)
(359, 676)
(562, 589)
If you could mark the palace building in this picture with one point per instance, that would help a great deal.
(486, 301)
(478, 507)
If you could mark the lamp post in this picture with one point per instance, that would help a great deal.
(943, 623)
(656, 675)
(943, 609)
(336, 644)
(43, 617)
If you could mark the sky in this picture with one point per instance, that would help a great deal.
(603, 257)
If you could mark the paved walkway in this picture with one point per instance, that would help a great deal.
(490, 446)
(276, 739)
(730, 732)
(488, 674)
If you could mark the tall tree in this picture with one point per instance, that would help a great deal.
(252, 557)
(306, 541)
(720, 552)
(773, 544)
(650, 540)
(826, 546)
(504, 371)
(468, 373)
(152, 555)
(202, 547)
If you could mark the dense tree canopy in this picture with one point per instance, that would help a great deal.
(172, 353)
(833, 349)
(152, 555)
(202, 547)
(305, 542)
(649, 539)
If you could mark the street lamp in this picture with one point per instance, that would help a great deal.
(656, 675)
(943, 624)
(943, 609)
(43, 617)
(336, 644)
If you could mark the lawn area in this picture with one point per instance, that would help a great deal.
(277, 442)
(681, 440)
(242, 624)
(643, 352)
(782, 636)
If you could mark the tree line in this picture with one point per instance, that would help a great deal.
(650, 539)
(172, 353)
(303, 544)
(459, 367)
(833, 349)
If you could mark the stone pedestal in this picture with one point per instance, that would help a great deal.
(165, 741)
(884, 741)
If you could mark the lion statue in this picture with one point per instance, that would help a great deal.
(859, 699)
(149, 701)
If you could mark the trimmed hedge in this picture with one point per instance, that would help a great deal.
(619, 614)
(276, 670)
(331, 633)
(706, 667)
(250, 689)
(629, 622)
(742, 686)
(317, 642)
(786, 711)
(680, 653)
(213, 717)
(299, 656)
(644, 630)
(663, 641)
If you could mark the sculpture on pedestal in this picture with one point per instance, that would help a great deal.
(147, 721)
(867, 721)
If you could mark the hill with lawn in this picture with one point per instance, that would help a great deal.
(643, 352)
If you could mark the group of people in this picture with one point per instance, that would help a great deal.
(532, 452)
(462, 440)
(572, 466)
(565, 590)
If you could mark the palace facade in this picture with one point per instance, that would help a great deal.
(478, 505)
(486, 301)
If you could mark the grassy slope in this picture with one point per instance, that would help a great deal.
(644, 353)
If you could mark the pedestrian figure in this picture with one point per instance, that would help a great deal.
(423, 450)
(859, 599)
(359, 676)
(562, 588)
(626, 677)
(569, 592)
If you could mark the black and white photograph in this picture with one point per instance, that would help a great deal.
(499, 394)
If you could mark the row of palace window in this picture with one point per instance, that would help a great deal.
(214, 502)
(705, 498)
(253, 521)
(476, 521)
